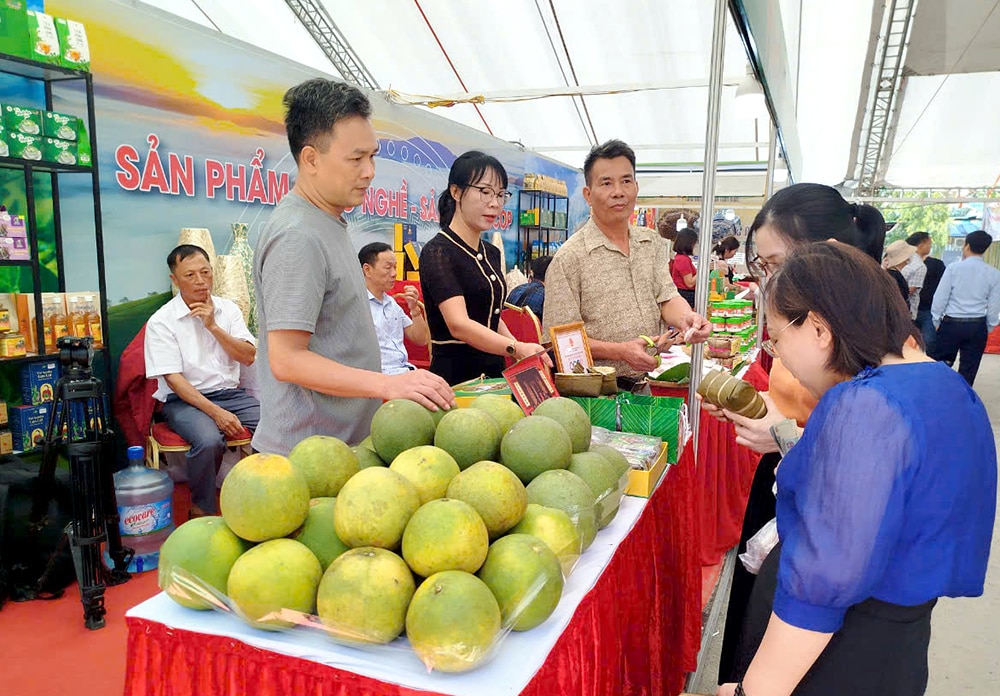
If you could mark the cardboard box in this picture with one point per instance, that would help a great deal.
(22, 119)
(3, 413)
(641, 484)
(14, 249)
(6, 442)
(26, 147)
(14, 28)
(28, 425)
(83, 152)
(74, 48)
(58, 151)
(38, 382)
(43, 39)
(62, 126)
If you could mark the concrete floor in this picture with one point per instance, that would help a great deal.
(965, 639)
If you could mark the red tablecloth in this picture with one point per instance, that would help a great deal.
(636, 632)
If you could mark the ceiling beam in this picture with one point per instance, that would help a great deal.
(332, 42)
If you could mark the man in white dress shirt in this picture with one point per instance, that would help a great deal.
(378, 263)
(194, 347)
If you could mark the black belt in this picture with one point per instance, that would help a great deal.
(964, 320)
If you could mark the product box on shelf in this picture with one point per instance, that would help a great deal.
(559, 219)
(26, 147)
(546, 218)
(83, 153)
(12, 225)
(529, 217)
(22, 119)
(642, 483)
(14, 28)
(58, 151)
(62, 126)
(8, 314)
(4, 148)
(75, 49)
(12, 345)
(3, 413)
(14, 249)
(6, 442)
(28, 425)
(43, 40)
(38, 382)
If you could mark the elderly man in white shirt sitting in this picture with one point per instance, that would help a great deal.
(194, 347)
(378, 263)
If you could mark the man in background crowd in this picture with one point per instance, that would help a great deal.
(532, 293)
(935, 269)
(914, 273)
(378, 263)
(966, 306)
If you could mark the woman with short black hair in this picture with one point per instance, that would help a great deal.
(877, 517)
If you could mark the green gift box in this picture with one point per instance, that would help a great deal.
(43, 40)
(27, 147)
(74, 48)
(601, 412)
(62, 126)
(83, 157)
(58, 151)
(22, 119)
(4, 149)
(659, 416)
(14, 28)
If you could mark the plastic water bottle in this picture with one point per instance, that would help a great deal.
(145, 514)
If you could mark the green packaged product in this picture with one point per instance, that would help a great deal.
(83, 151)
(21, 119)
(58, 151)
(43, 41)
(14, 28)
(4, 150)
(62, 126)
(75, 50)
(27, 147)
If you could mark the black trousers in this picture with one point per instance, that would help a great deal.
(964, 339)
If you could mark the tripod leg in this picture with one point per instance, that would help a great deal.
(88, 531)
(120, 555)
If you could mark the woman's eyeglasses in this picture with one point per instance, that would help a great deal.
(488, 195)
(769, 346)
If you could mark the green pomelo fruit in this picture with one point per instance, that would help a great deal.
(264, 497)
(278, 574)
(373, 508)
(318, 532)
(571, 416)
(326, 462)
(469, 435)
(399, 425)
(556, 529)
(526, 579)
(568, 492)
(453, 621)
(366, 457)
(503, 409)
(618, 459)
(445, 534)
(366, 443)
(600, 475)
(427, 467)
(533, 445)
(364, 594)
(206, 548)
(437, 415)
(495, 492)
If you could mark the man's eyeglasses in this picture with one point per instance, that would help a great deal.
(487, 194)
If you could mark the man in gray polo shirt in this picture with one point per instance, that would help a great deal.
(320, 369)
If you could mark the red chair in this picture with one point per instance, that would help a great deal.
(522, 324)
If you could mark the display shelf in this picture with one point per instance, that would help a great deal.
(41, 357)
(35, 70)
(545, 202)
(9, 262)
(47, 167)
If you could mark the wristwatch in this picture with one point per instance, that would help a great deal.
(511, 348)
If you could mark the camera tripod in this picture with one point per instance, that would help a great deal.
(78, 422)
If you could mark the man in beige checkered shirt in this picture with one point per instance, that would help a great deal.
(614, 277)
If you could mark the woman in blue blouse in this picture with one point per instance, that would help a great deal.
(885, 504)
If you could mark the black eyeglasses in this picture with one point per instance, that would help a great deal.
(758, 266)
(487, 194)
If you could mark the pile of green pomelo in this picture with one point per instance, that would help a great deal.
(451, 526)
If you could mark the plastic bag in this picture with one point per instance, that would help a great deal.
(641, 451)
(759, 546)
